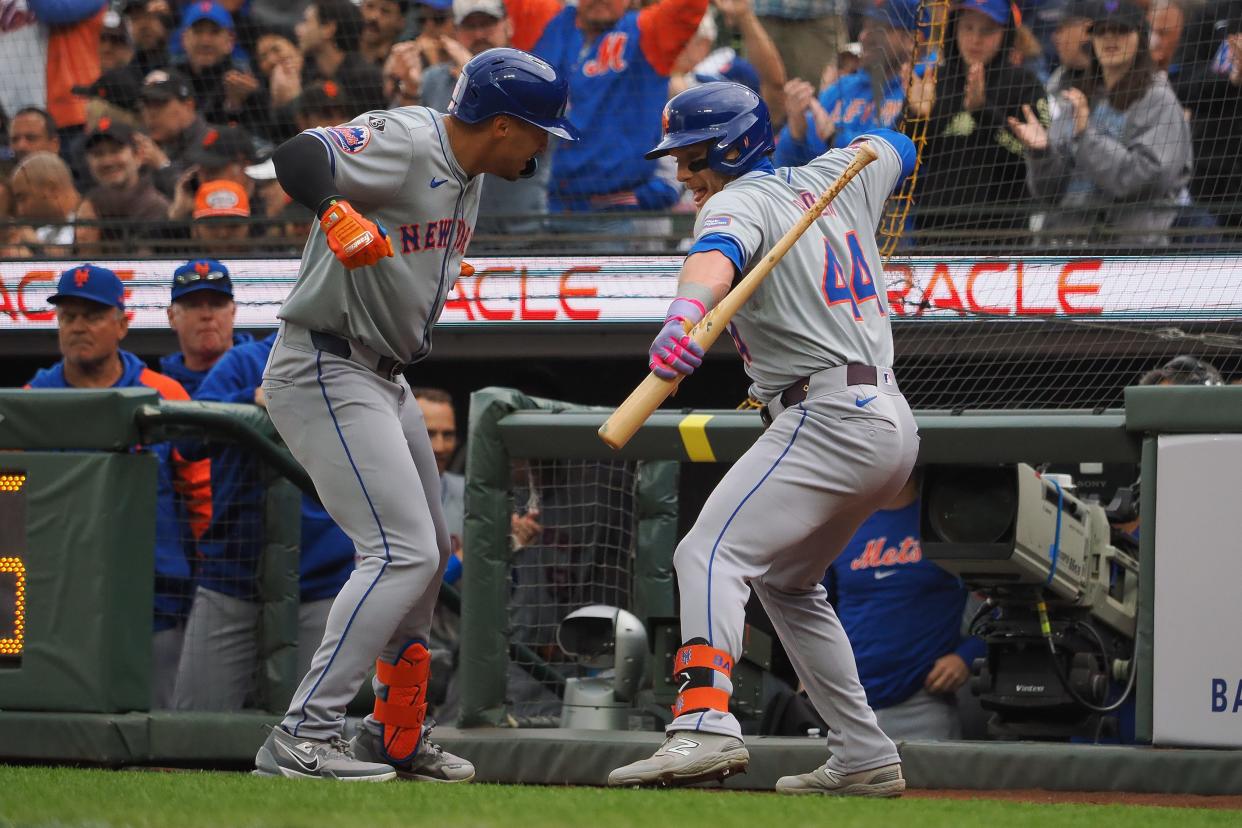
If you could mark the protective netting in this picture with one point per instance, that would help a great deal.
(574, 533)
(1094, 125)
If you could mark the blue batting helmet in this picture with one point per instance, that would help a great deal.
(729, 115)
(512, 82)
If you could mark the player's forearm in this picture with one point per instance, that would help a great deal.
(304, 170)
(705, 277)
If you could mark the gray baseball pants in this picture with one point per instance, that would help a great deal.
(775, 522)
(362, 439)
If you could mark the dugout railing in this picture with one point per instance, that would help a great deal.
(77, 682)
(508, 428)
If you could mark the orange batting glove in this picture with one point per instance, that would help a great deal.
(355, 240)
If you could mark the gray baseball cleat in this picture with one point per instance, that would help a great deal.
(885, 781)
(686, 757)
(431, 763)
(297, 758)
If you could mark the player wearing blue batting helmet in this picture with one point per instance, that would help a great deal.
(730, 116)
(508, 81)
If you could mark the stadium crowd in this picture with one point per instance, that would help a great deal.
(145, 125)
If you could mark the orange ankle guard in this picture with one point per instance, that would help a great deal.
(403, 712)
(692, 667)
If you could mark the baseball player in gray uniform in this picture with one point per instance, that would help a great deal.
(840, 442)
(361, 311)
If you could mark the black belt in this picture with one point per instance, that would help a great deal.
(855, 374)
(386, 367)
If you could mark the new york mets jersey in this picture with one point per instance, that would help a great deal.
(825, 303)
(396, 168)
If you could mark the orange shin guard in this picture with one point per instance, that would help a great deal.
(403, 712)
(692, 669)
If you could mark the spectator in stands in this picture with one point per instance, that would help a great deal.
(46, 49)
(224, 89)
(222, 154)
(114, 95)
(383, 22)
(32, 130)
(1117, 157)
(617, 62)
(115, 47)
(219, 662)
(973, 172)
(849, 108)
(762, 69)
(122, 192)
(328, 36)
(171, 127)
(1183, 370)
(480, 25)
(506, 207)
(808, 33)
(220, 212)
(150, 22)
(91, 322)
(201, 313)
(1211, 90)
(1072, 40)
(46, 201)
(1166, 21)
(322, 104)
(903, 615)
(436, 28)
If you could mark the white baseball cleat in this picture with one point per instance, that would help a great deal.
(686, 757)
(885, 781)
(298, 758)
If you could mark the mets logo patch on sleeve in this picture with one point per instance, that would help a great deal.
(717, 221)
(349, 138)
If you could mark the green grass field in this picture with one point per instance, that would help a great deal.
(64, 797)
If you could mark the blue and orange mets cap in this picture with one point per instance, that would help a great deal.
(92, 283)
(201, 274)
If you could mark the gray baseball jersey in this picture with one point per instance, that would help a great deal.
(397, 169)
(825, 303)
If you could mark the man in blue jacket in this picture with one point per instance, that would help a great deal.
(903, 615)
(201, 314)
(91, 322)
(220, 657)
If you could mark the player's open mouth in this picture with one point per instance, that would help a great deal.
(700, 195)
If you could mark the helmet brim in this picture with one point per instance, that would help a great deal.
(560, 127)
(682, 139)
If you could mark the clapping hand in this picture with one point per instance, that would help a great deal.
(1030, 132)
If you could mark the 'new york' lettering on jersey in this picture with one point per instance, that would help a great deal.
(824, 303)
(406, 178)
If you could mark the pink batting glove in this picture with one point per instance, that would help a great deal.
(673, 352)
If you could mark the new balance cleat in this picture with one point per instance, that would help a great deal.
(431, 763)
(686, 757)
(879, 782)
(298, 758)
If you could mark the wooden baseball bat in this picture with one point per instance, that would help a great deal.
(652, 391)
